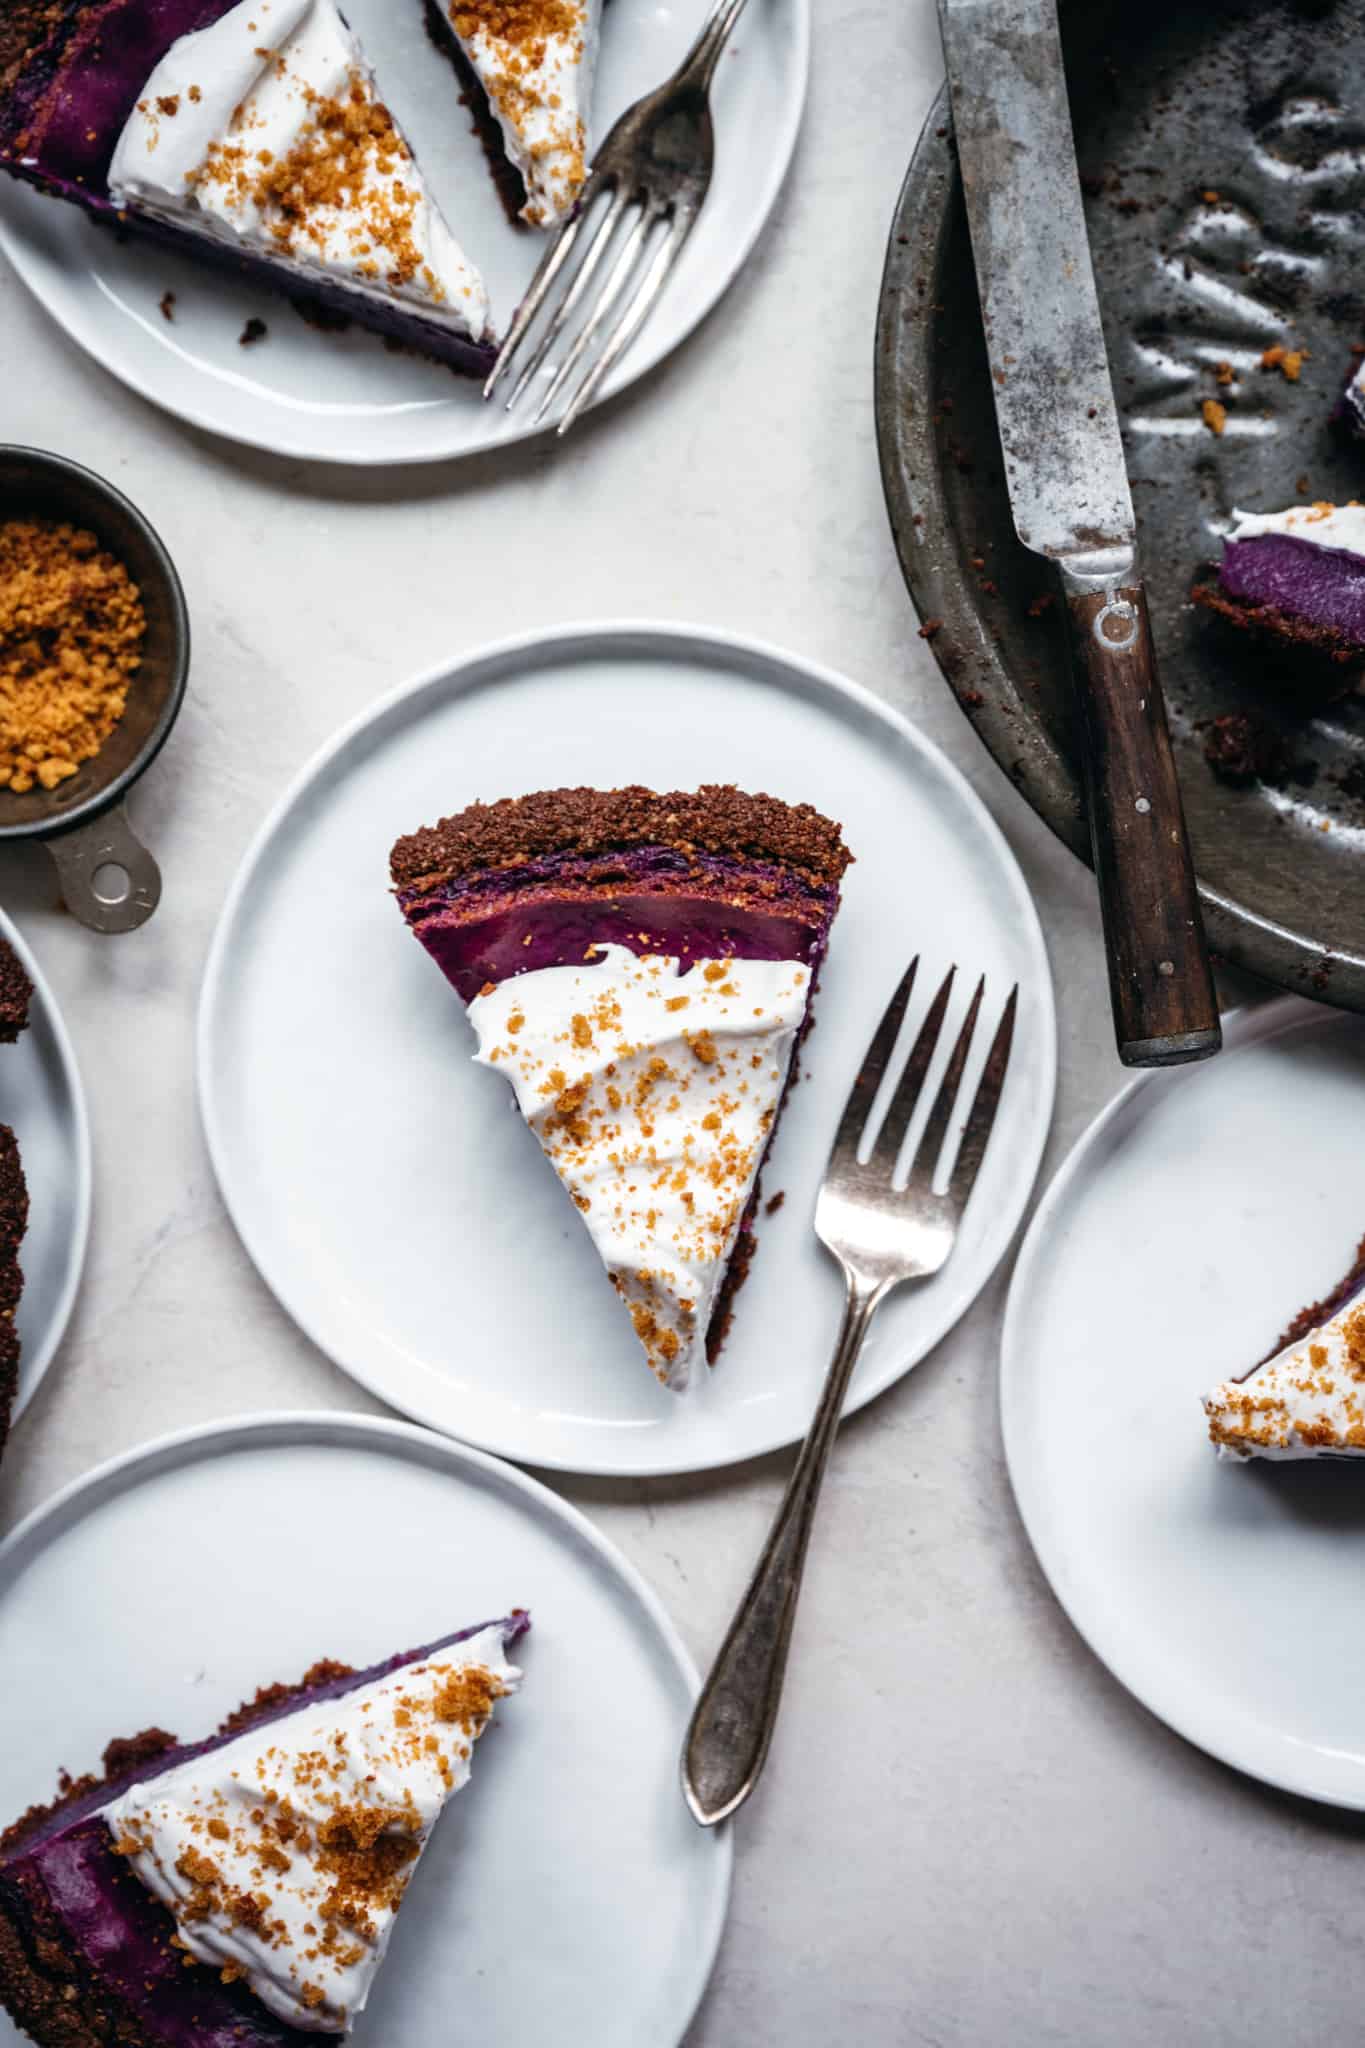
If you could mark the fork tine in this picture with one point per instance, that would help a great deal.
(936, 1129)
(607, 298)
(582, 278)
(547, 270)
(863, 1093)
(632, 320)
(976, 1136)
(902, 1105)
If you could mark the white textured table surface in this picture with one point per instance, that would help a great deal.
(967, 1833)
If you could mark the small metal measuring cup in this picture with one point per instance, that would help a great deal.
(108, 878)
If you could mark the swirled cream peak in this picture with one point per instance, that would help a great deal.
(1322, 525)
(1307, 1402)
(535, 60)
(265, 132)
(653, 1093)
(284, 1854)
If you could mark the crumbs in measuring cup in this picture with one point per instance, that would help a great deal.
(71, 633)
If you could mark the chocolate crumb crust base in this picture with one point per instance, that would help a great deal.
(16, 993)
(1336, 660)
(13, 1223)
(717, 819)
(50, 1984)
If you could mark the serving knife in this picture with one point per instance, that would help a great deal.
(1068, 487)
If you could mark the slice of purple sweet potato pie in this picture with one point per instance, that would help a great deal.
(1297, 578)
(641, 968)
(249, 135)
(241, 1892)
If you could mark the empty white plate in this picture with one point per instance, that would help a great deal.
(42, 1101)
(345, 397)
(567, 1896)
(388, 1189)
(1193, 1220)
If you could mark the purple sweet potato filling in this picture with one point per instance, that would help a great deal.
(123, 1934)
(105, 56)
(1325, 587)
(650, 914)
(64, 143)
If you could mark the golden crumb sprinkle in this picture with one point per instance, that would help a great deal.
(467, 1696)
(349, 173)
(1288, 361)
(512, 39)
(71, 633)
(517, 22)
(1312, 1398)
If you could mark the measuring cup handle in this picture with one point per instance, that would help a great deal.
(108, 878)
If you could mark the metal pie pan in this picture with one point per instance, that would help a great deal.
(1225, 177)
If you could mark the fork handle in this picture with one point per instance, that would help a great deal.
(698, 66)
(733, 1721)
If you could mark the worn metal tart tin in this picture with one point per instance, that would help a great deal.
(1223, 154)
(108, 878)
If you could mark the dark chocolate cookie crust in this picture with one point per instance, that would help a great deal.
(49, 1998)
(716, 819)
(1327, 643)
(1316, 1313)
(16, 993)
(24, 26)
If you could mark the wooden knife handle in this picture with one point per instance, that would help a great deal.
(1160, 983)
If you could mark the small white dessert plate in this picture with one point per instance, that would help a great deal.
(1190, 1224)
(42, 1101)
(568, 1897)
(345, 397)
(386, 1186)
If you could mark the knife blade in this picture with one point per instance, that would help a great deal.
(1069, 495)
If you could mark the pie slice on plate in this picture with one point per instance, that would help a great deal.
(251, 135)
(533, 61)
(1308, 1399)
(241, 1892)
(641, 968)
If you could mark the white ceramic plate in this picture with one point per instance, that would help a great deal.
(385, 1185)
(1191, 1222)
(346, 398)
(569, 1897)
(42, 1101)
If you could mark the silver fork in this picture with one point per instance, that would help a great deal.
(881, 1236)
(656, 162)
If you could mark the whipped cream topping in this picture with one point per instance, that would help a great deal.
(1306, 1402)
(1324, 525)
(535, 59)
(284, 1854)
(265, 131)
(653, 1094)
